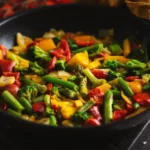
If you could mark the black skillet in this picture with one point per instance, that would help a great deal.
(74, 17)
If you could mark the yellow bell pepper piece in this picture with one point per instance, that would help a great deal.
(34, 78)
(94, 64)
(80, 58)
(47, 44)
(1, 54)
(78, 103)
(104, 87)
(126, 47)
(127, 100)
(118, 58)
(4, 80)
(67, 123)
(67, 112)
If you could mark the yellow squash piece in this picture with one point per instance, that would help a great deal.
(94, 64)
(118, 58)
(78, 103)
(80, 58)
(104, 87)
(47, 44)
(6, 80)
(126, 47)
(67, 112)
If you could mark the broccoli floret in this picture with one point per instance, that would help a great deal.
(60, 64)
(92, 78)
(135, 64)
(55, 90)
(29, 92)
(112, 75)
(41, 88)
(113, 64)
(35, 68)
(72, 78)
(38, 54)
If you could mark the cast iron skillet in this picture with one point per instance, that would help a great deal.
(73, 17)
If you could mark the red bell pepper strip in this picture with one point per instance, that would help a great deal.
(52, 63)
(38, 107)
(142, 98)
(12, 88)
(131, 78)
(16, 75)
(6, 65)
(97, 95)
(119, 114)
(92, 122)
(49, 86)
(35, 43)
(96, 112)
(129, 107)
(99, 73)
(63, 51)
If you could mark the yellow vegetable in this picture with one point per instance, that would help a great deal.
(80, 58)
(67, 112)
(34, 78)
(118, 58)
(47, 44)
(126, 47)
(136, 86)
(127, 100)
(4, 80)
(104, 87)
(1, 54)
(94, 64)
(78, 103)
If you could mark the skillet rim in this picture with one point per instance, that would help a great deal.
(114, 125)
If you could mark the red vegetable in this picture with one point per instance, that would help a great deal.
(38, 107)
(119, 114)
(52, 63)
(14, 74)
(49, 86)
(63, 51)
(32, 44)
(92, 122)
(97, 95)
(12, 88)
(96, 112)
(6, 65)
(131, 78)
(142, 98)
(3, 49)
(99, 73)
(129, 107)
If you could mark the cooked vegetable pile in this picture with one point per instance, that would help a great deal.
(74, 79)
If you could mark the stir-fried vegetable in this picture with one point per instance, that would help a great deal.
(74, 79)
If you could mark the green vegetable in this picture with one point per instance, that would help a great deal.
(83, 87)
(29, 92)
(47, 99)
(92, 78)
(119, 104)
(68, 93)
(12, 101)
(60, 64)
(146, 78)
(113, 75)
(35, 68)
(108, 111)
(38, 99)
(136, 106)
(126, 88)
(115, 49)
(37, 53)
(135, 64)
(41, 88)
(92, 50)
(25, 103)
(116, 94)
(60, 82)
(72, 45)
(55, 90)
(146, 87)
(113, 64)
(81, 114)
(72, 78)
(13, 113)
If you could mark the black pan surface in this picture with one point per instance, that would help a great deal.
(73, 17)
